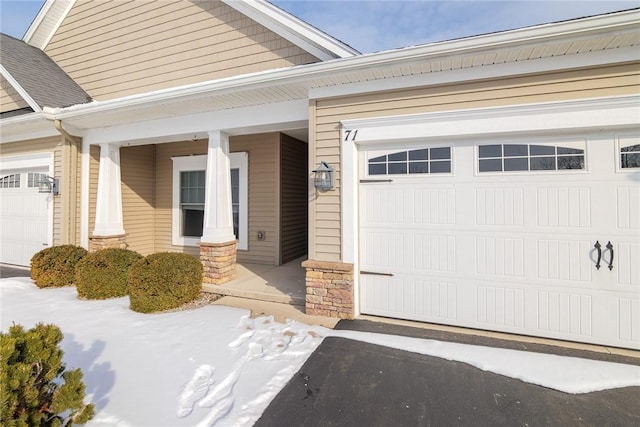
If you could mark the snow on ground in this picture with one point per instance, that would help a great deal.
(216, 366)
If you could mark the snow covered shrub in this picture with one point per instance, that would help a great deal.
(105, 273)
(164, 281)
(55, 266)
(35, 390)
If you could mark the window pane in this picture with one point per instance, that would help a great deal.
(441, 167)
(397, 168)
(398, 157)
(542, 150)
(490, 151)
(571, 162)
(193, 220)
(418, 167)
(378, 169)
(632, 148)
(516, 164)
(543, 163)
(563, 150)
(490, 165)
(631, 160)
(380, 159)
(419, 154)
(192, 186)
(515, 150)
(443, 153)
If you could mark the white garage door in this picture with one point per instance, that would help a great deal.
(536, 237)
(25, 216)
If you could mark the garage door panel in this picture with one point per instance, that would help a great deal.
(628, 204)
(628, 264)
(500, 306)
(500, 256)
(629, 319)
(500, 206)
(560, 259)
(563, 207)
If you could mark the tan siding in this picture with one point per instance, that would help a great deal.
(46, 145)
(293, 199)
(10, 99)
(164, 192)
(114, 49)
(576, 84)
(137, 166)
(263, 196)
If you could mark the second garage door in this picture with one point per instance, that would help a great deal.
(534, 236)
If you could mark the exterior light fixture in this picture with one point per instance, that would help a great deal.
(323, 180)
(48, 184)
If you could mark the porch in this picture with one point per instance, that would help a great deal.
(284, 284)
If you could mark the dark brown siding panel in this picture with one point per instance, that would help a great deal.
(293, 198)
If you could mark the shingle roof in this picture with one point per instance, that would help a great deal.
(43, 80)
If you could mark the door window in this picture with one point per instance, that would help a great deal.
(529, 157)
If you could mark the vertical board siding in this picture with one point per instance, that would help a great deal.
(10, 99)
(294, 204)
(263, 196)
(559, 86)
(115, 49)
(45, 145)
(137, 166)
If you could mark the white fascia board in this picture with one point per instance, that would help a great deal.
(491, 71)
(23, 93)
(35, 24)
(276, 116)
(561, 116)
(293, 29)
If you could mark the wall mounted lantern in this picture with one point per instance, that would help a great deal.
(323, 180)
(49, 184)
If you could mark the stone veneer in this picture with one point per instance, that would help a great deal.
(329, 289)
(103, 242)
(219, 262)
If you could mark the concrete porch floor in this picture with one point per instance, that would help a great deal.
(283, 284)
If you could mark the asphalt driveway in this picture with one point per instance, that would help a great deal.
(350, 383)
(9, 271)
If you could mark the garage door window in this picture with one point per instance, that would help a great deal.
(10, 181)
(422, 161)
(529, 157)
(34, 179)
(630, 156)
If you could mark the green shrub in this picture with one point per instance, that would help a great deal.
(164, 281)
(35, 390)
(105, 273)
(55, 266)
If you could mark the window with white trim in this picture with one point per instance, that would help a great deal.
(189, 184)
(530, 157)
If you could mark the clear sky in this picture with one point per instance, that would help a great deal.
(375, 25)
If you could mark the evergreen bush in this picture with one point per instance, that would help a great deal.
(164, 281)
(35, 390)
(105, 273)
(55, 266)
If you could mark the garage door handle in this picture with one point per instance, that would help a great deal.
(598, 247)
(375, 273)
(610, 247)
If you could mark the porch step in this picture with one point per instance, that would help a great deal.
(254, 294)
(280, 312)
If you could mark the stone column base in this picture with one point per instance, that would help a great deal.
(329, 289)
(219, 262)
(103, 242)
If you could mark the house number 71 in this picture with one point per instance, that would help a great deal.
(350, 135)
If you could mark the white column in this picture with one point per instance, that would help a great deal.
(218, 220)
(109, 198)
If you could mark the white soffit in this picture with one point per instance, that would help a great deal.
(298, 32)
(47, 22)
